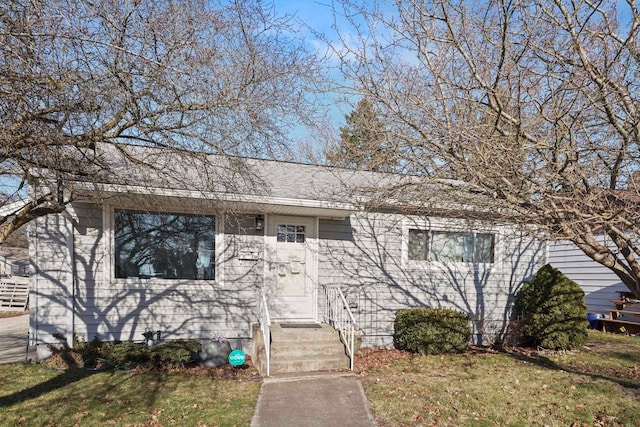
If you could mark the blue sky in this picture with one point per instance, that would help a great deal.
(313, 15)
(309, 11)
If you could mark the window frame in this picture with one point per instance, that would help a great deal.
(110, 264)
(431, 231)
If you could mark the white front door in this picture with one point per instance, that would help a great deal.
(291, 277)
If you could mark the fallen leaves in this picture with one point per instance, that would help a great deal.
(369, 359)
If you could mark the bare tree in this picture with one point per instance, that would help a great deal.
(223, 77)
(534, 104)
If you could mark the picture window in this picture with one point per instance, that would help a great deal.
(164, 245)
(451, 246)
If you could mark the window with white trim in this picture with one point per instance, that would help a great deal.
(164, 245)
(451, 246)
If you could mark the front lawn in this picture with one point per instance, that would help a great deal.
(596, 386)
(35, 395)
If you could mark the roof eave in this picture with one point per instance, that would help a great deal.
(241, 202)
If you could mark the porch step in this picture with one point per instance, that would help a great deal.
(306, 349)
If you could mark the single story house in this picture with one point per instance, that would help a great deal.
(190, 246)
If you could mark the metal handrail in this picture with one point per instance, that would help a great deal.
(265, 326)
(338, 314)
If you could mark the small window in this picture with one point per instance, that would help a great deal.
(290, 233)
(418, 245)
(164, 245)
(451, 247)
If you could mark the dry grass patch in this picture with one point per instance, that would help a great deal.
(34, 395)
(596, 386)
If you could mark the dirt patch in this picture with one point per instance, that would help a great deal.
(5, 314)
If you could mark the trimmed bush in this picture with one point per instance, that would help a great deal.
(132, 354)
(432, 331)
(552, 310)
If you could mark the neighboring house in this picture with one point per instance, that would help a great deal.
(600, 284)
(6, 267)
(14, 255)
(14, 261)
(191, 253)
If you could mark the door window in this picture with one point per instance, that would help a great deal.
(290, 233)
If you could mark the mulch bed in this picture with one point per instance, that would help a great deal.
(71, 360)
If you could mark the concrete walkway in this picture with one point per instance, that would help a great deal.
(323, 400)
(14, 335)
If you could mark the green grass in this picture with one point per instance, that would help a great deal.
(597, 386)
(32, 395)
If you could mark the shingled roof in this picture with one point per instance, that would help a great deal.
(262, 185)
(265, 185)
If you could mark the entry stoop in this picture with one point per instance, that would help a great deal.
(306, 348)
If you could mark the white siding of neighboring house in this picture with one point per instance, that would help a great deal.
(599, 283)
(365, 255)
(123, 309)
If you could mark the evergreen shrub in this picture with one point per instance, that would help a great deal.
(432, 331)
(552, 311)
(136, 354)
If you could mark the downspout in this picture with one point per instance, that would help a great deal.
(316, 275)
(71, 288)
(32, 234)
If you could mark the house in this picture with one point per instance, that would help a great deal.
(600, 284)
(615, 209)
(192, 246)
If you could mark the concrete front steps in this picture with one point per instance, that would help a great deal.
(300, 349)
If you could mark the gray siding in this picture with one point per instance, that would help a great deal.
(51, 281)
(364, 256)
(600, 285)
(123, 309)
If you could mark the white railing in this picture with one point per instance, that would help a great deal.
(338, 315)
(265, 326)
